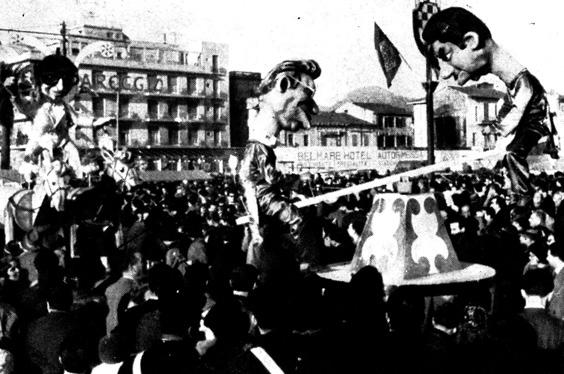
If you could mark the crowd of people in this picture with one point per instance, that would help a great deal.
(222, 276)
(176, 292)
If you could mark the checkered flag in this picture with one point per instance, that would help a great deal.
(423, 11)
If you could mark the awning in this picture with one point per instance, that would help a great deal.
(173, 176)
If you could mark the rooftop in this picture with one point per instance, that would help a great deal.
(337, 119)
(482, 90)
(386, 108)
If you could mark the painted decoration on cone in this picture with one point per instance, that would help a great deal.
(405, 238)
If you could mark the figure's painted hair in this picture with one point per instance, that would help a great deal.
(451, 24)
(292, 68)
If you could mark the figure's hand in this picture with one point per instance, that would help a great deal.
(503, 142)
(102, 121)
(296, 228)
(296, 196)
(256, 237)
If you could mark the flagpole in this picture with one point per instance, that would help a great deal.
(430, 86)
(403, 58)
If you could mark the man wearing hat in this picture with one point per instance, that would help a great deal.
(285, 102)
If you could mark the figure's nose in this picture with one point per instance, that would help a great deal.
(311, 106)
(60, 85)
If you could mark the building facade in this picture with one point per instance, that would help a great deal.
(393, 124)
(331, 129)
(242, 85)
(166, 102)
(464, 117)
(160, 95)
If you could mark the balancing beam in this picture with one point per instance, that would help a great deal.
(395, 178)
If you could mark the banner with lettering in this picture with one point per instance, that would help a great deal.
(320, 159)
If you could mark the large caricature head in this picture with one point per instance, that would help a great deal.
(56, 76)
(287, 91)
(460, 39)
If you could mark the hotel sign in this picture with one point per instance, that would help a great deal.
(120, 82)
(314, 159)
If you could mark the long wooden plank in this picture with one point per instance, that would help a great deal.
(395, 178)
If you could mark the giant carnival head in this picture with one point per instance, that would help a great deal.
(286, 93)
(462, 41)
(56, 75)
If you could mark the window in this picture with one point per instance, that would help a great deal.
(152, 108)
(192, 137)
(486, 111)
(323, 141)
(123, 106)
(306, 140)
(366, 140)
(98, 107)
(191, 84)
(217, 137)
(401, 141)
(390, 141)
(124, 137)
(215, 63)
(172, 110)
(473, 139)
(173, 136)
(338, 140)
(354, 140)
(154, 136)
(400, 122)
(172, 84)
(290, 140)
(380, 141)
(388, 122)
(136, 54)
(75, 48)
(110, 107)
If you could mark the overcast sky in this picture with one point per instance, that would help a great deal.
(338, 34)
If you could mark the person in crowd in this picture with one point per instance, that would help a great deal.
(555, 259)
(133, 269)
(537, 285)
(45, 336)
(465, 44)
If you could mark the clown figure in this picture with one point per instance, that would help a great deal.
(49, 138)
(285, 102)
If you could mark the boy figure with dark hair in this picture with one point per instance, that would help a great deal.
(465, 44)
